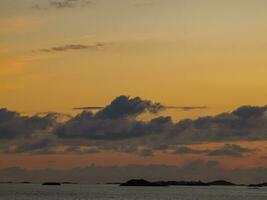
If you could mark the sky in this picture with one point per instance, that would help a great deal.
(176, 82)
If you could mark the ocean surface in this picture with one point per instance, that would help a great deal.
(108, 192)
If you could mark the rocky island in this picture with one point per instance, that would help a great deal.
(141, 182)
(258, 185)
(51, 183)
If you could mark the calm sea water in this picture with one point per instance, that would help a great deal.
(108, 192)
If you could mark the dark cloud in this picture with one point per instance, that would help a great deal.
(116, 121)
(120, 123)
(250, 112)
(88, 126)
(72, 47)
(245, 123)
(124, 106)
(33, 146)
(226, 150)
(188, 150)
(13, 125)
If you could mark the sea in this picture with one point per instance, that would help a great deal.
(112, 192)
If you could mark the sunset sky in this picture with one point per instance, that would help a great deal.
(149, 65)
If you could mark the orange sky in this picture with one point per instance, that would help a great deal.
(178, 53)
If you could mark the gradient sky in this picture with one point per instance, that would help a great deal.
(59, 54)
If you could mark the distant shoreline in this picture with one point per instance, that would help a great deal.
(143, 182)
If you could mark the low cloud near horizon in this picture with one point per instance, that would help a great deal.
(195, 170)
(117, 127)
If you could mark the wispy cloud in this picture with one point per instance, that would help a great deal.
(68, 3)
(61, 4)
(185, 108)
(72, 47)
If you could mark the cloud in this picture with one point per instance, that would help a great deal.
(245, 123)
(62, 4)
(88, 126)
(124, 106)
(185, 108)
(115, 121)
(118, 121)
(32, 146)
(188, 150)
(13, 125)
(231, 150)
(68, 3)
(72, 47)
(226, 150)
(118, 127)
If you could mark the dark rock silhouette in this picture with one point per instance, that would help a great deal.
(258, 185)
(141, 182)
(221, 182)
(25, 182)
(183, 183)
(51, 183)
